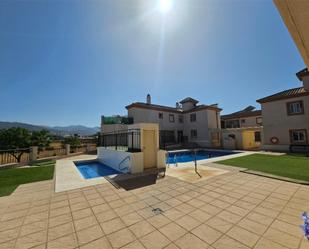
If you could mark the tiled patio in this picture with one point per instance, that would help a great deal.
(233, 210)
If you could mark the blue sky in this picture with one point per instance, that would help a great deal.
(65, 62)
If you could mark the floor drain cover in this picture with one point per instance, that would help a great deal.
(157, 211)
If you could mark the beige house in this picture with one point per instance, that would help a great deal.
(286, 117)
(187, 122)
(242, 130)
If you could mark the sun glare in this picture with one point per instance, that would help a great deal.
(165, 6)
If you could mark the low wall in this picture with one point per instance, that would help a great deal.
(113, 158)
(161, 159)
(276, 147)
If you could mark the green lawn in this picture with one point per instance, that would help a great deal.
(10, 179)
(292, 166)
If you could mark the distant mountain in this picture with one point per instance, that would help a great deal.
(57, 130)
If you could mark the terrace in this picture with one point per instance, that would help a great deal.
(232, 210)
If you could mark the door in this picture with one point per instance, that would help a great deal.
(149, 150)
(180, 136)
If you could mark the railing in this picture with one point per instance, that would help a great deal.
(117, 120)
(128, 140)
(14, 156)
(51, 152)
(166, 138)
(125, 168)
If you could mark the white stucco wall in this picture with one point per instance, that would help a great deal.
(112, 158)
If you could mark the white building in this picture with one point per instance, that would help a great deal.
(187, 122)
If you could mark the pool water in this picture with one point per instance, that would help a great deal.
(94, 169)
(188, 156)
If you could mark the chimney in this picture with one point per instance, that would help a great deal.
(148, 99)
(303, 76)
(306, 82)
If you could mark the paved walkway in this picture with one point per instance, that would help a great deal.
(233, 210)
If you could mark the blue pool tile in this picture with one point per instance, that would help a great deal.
(95, 169)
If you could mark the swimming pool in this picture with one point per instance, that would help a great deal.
(189, 156)
(94, 169)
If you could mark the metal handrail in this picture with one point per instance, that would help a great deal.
(122, 161)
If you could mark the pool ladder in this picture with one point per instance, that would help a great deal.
(125, 168)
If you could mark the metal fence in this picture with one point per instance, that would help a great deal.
(167, 138)
(122, 140)
(14, 156)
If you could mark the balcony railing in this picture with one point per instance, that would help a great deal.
(117, 120)
(128, 140)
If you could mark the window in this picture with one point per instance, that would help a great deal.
(298, 136)
(180, 119)
(243, 121)
(193, 117)
(193, 133)
(295, 108)
(259, 120)
(232, 124)
(160, 115)
(257, 136)
(171, 118)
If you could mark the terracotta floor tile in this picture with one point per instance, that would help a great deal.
(31, 240)
(59, 220)
(206, 233)
(85, 222)
(36, 217)
(9, 234)
(121, 238)
(101, 208)
(259, 218)
(190, 241)
(10, 224)
(81, 213)
(67, 242)
(98, 244)
(112, 226)
(187, 222)
(134, 245)
(287, 228)
(154, 240)
(172, 231)
(282, 238)
(141, 228)
(89, 234)
(131, 218)
(33, 227)
(106, 216)
(158, 221)
(243, 236)
(252, 226)
(59, 211)
(61, 230)
(268, 244)
(200, 215)
(226, 242)
(219, 224)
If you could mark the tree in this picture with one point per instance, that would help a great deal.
(73, 141)
(41, 138)
(13, 139)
